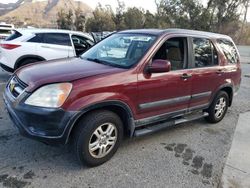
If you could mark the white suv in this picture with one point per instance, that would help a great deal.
(26, 46)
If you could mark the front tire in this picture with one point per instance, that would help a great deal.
(218, 108)
(98, 137)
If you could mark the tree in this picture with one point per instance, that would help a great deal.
(61, 19)
(182, 13)
(101, 20)
(69, 19)
(150, 20)
(118, 17)
(218, 16)
(134, 18)
(65, 20)
(80, 20)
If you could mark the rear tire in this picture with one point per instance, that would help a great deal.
(97, 137)
(218, 108)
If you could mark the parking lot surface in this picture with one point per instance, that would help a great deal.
(189, 155)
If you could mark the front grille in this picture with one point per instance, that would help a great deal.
(16, 86)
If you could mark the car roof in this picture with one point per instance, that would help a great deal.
(176, 31)
(38, 30)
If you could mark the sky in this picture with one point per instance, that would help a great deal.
(145, 4)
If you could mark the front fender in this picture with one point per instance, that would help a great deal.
(85, 102)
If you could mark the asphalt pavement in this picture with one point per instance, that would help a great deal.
(191, 155)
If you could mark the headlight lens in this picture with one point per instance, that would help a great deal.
(53, 95)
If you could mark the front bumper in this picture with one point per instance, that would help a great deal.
(51, 126)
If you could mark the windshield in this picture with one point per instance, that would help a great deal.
(120, 50)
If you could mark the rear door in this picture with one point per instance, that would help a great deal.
(54, 46)
(207, 74)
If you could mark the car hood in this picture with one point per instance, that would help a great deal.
(62, 70)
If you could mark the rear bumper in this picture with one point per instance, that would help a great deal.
(51, 126)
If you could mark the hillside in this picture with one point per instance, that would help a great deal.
(39, 13)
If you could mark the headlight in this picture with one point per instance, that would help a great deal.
(53, 95)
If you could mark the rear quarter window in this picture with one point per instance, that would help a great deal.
(13, 36)
(229, 50)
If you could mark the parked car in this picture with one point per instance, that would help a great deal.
(91, 102)
(5, 30)
(27, 46)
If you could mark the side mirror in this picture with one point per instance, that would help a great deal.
(159, 66)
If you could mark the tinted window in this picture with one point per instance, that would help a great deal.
(13, 36)
(229, 51)
(37, 38)
(204, 53)
(52, 38)
(173, 50)
(57, 38)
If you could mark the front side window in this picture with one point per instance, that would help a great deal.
(81, 44)
(120, 50)
(174, 50)
(205, 54)
(229, 51)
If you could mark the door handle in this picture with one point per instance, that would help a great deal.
(186, 76)
(44, 46)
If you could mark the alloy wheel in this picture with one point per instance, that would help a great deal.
(103, 140)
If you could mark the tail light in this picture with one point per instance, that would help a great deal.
(9, 46)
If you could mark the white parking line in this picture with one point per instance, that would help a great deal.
(2, 83)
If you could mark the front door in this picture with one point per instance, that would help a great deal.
(166, 93)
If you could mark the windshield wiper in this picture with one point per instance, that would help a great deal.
(104, 62)
(98, 61)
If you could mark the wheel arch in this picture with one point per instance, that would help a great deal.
(229, 91)
(118, 107)
(22, 58)
(228, 88)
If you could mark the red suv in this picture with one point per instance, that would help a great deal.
(127, 84)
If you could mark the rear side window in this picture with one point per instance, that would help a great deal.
(38, 38)
(229, 51)
(205, 54)
(52, 38)
(13, 36)
(57, 38)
